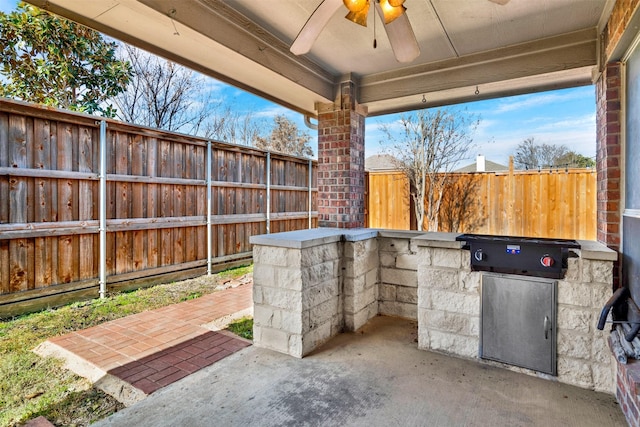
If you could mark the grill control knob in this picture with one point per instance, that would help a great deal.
(479, 255)
(546, 261)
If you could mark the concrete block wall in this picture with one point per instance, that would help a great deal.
(449, 310)
(448, 302)
(360, 282)
(398, 288)
(297, 296)
(584, 358)
(310, 285)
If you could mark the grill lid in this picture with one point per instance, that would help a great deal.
(477, 238)
(528, 256)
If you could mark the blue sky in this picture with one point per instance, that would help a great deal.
(559, 117)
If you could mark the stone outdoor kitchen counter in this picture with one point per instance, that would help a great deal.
(310, 285)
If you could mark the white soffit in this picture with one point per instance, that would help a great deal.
(245, 43)
(137, 21)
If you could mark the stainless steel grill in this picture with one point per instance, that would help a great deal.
(519, 297)
(519, 255)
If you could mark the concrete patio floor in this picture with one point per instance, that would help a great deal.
(373, 377)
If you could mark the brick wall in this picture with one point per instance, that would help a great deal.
(618, 22)
(608, 128)
(628, 383)
(608, 159)
(341, 162)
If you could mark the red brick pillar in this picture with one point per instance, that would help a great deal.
(608, 159)
(341, 161)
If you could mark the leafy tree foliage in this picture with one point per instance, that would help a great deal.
(431, 144)
(575, 160)
(286, 138)
(532, 155)
(52, 61)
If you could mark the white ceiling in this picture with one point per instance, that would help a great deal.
(522, 46)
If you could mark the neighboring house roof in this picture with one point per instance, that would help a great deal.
(379, 162)
(489, 166)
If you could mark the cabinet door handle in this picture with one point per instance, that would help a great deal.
(547, 327)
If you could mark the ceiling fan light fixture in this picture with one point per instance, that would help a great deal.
(359, 17)
(397, 3)
(358, 11)
(390, 12)
(356, 5)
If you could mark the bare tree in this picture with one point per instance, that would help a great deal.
(532, 155)
(231, 126)
(286, 138)
(163, 94)
(431, 144)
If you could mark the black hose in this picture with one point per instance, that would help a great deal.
(617, 295)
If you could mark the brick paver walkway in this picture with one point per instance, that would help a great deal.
(169, 365)
(152, 349)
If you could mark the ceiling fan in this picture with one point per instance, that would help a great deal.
(396, 24)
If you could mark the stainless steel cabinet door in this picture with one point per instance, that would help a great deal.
(518, 321)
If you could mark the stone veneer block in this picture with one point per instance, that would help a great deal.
(407, 261)
(398, 309)
(297, 301)
(447, 258)
(399, 260)
(360, 281)
(395, 276)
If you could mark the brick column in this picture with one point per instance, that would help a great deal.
(608, 159)
(341, 161)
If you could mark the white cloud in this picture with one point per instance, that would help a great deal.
(577, 123)
(213, 85)
(274, 110)
(537, 100)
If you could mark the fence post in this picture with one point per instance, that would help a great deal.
(268, 207)
(102, 207)
(209, 235)
(310, 185)
(511, 226)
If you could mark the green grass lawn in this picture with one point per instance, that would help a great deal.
(31, 386)
(242, 327)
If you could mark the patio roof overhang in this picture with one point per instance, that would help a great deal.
(523, 46)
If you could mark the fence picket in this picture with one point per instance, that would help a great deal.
(155, 204)
(557, 204)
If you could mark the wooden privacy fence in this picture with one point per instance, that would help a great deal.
(549, 203)
(387, 204)
(90, 205)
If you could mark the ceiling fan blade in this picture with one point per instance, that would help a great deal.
(314, 25)
(401, 37)
(500, 2)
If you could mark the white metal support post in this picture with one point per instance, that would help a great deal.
(209, 207)
(102, 207)
(268, 207)
(310, 186)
